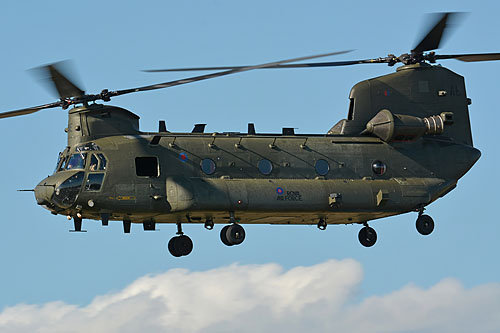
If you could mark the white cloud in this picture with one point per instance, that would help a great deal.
(249, 298)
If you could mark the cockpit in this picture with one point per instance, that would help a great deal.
(77, 160)
(85, 166)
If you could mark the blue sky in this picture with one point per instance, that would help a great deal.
(111, 41)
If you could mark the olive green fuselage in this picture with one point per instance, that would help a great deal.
(168, 177)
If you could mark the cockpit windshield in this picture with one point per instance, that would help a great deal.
(76, 161)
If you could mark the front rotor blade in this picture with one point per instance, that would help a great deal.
(191, 69)
(64, 86)
(34, 109)
(432, 39)
(470, 57)
(58, 76)
(218, 74)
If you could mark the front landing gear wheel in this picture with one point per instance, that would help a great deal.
(367, 236)
(171, 248)
(223, 236)
(425, 225)
(233, 234)
(180, 246)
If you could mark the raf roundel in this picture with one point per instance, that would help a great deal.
(183, 157)
(279, 190)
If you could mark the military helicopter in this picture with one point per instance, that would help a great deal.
(405, 143)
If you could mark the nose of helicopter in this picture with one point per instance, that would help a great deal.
(44, 191)
(60, 190)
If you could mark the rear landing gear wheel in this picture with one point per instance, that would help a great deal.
(425, 225)
(233, 234)
(367, 236)
(180, 246)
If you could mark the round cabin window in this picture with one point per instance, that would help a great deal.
(322, 167)
(265, 167)
(379, 168)
(207, 166)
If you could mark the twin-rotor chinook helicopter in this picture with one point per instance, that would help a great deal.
(405, 143)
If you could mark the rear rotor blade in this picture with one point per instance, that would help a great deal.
(34, 109)
(432, 39)
(470, 57)
(218, 74)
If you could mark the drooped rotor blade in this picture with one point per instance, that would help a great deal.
(432, 39)
(34, 109)
(218, 74)
(314, 64)
(64, 86)
(470, 57)
(57, 76)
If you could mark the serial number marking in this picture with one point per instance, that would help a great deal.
(123, 198)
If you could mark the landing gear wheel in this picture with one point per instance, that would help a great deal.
(235, 234)
(184, 245)
(223, 236)
(171, 248)
(367, 236)
(180, 246)
(425, 225)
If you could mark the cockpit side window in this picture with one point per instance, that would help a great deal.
(102, 161)
(93, 163)
(94, 181)
(76, 161)
(97, 162)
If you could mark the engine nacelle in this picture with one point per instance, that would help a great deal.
(397, 127)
